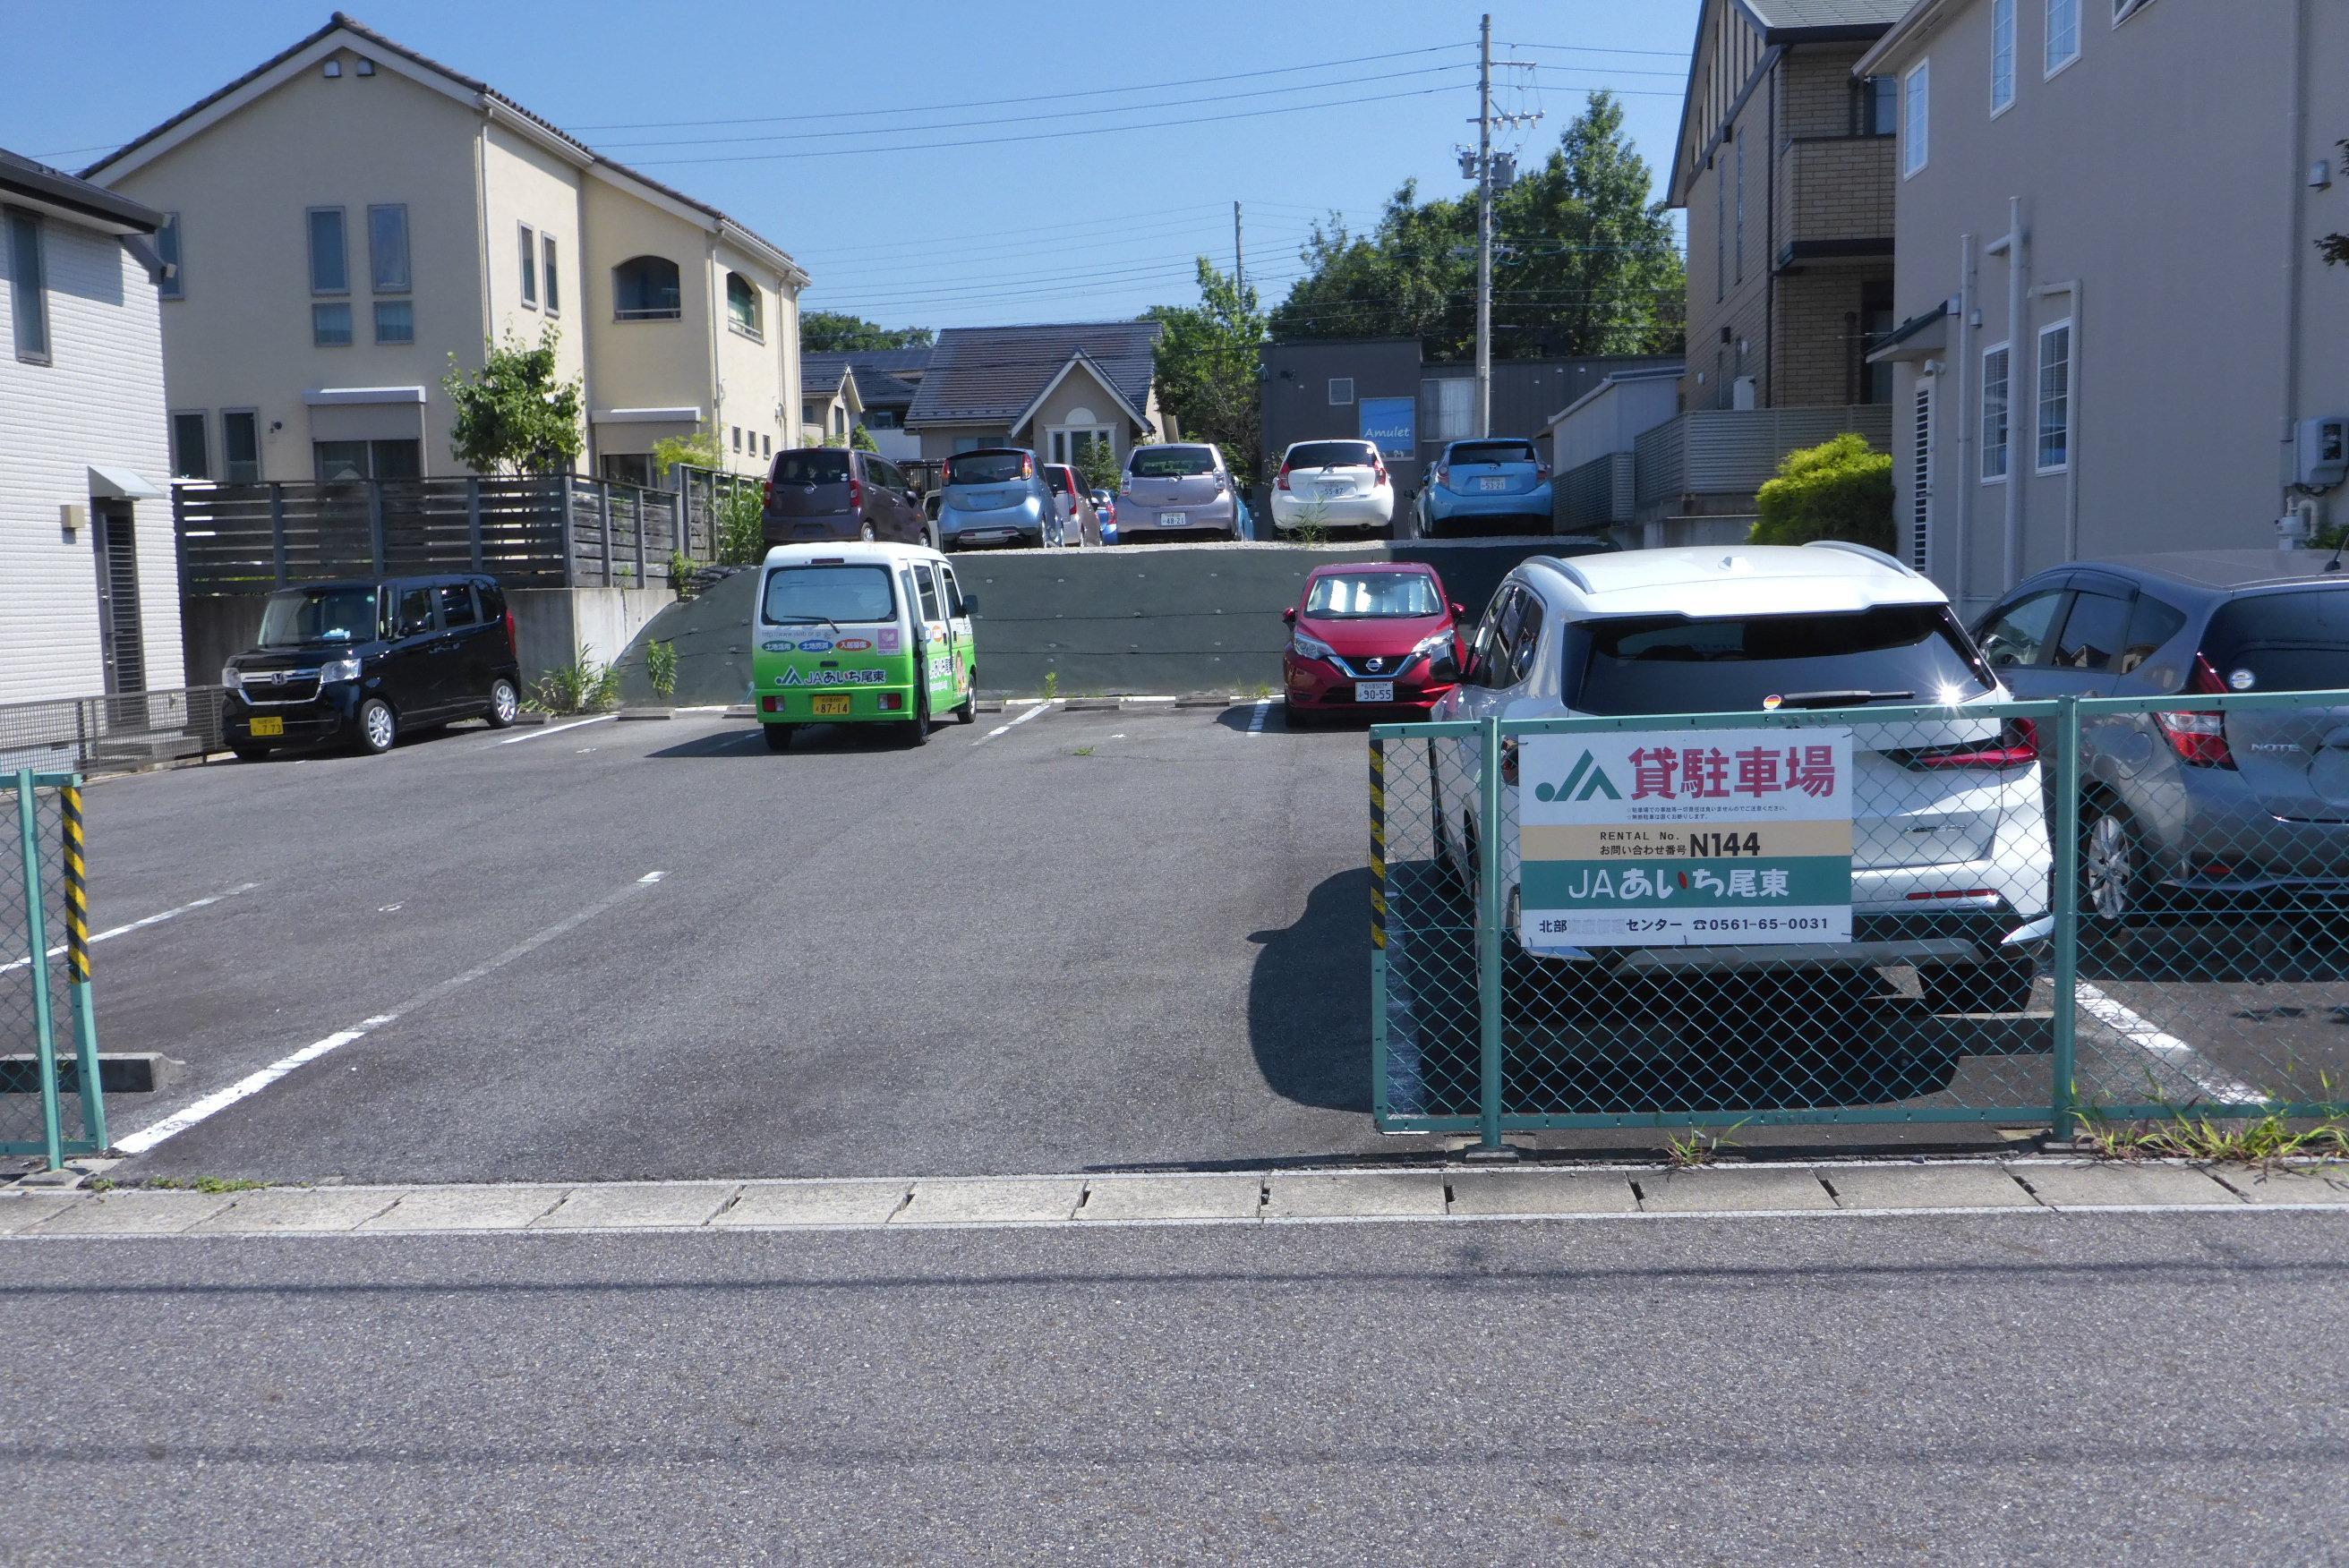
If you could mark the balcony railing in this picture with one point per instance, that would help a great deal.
(1835, 199)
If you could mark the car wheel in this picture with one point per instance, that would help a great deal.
(779, 735)
(249, 753)
(868, 534)
(379, 727)
(917, 731)
(968, 712)
(505, 704)
(2003, 986)
(2111, 870)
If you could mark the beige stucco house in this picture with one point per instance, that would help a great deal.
(348, 215)
(1054, 389)
(2115, 314)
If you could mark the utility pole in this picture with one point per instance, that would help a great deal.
(1240, 267)
(1493, 174)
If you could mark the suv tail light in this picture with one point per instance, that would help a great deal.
(766, 494)
(1281, 480)
(1027, 468)
(2199, 738)
(2015, 746)
(1444, 475)
(1377, 468)
(1541, 470)
(513, 639)
(855, 493)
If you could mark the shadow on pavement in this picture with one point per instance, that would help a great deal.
(1310, 999)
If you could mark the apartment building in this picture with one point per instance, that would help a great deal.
(2116, 321)
(348, 215)
(90, 598)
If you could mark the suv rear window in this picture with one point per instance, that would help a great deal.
(806, 595)
(2295, 641)
(815, 468)
(1674, 663)
(1332, 455)
(1494, 452)
(986, 467)
(1171, 462)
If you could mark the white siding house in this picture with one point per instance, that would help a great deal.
(89, 595)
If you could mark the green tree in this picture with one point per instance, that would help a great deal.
(1097, 466)
(1841, 488)
(1584, 261)
(699, 451)
(837, 332)
(1206, 368)
(862, 440)
(512, 416)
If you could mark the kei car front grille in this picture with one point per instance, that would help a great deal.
(280, 688)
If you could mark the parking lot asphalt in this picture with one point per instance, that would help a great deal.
(1945, 1389)
(1063, 939)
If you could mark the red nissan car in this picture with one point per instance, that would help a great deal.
(1365, 637)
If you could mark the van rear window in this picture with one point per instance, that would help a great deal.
(1678, 664)
(2295, 641)
(806, 595)
(817, 467)
(1332, 455)
(1171, 462)
(986, 467)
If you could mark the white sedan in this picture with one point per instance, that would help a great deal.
(1332, 484)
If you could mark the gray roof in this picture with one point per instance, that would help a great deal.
(987, 373)
(890, 360)
(1779, 17)
(40, 182)
(882, 390)
(878, 389)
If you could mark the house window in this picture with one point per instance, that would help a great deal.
(742, 306)
(738, 437)
(2124, 9)
(1876, 107)
(167, 246)
(330, 325)
(1738, 249)
(546, 278)
(1070, 444)
(387, 248)
(767, 442)
(339, 461)
(2002, 55)
(2056, 397)
(881, 419)
(1341, 391)
(645, 288)
(189, 448)
(394, 321)
(1719, 237)
(1914, 105)
(28, 287)
(1993, 413)
(529, 268)
(330, 272)
(240, 446)
(2063, 33)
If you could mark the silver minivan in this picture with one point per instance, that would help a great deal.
(1176, 488)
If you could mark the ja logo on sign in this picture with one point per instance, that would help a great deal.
(1588, 781)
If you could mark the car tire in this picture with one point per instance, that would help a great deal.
(917, 730)
(869, 534)
(2003, 985)
(505, 704)
(968, 712)
(2112, 867)
(249, 753)
(379, 727)
(779, 735)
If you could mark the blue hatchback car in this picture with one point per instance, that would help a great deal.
(1497, 479)
(995, 495)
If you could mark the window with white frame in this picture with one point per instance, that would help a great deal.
(547, 275)
(1341, 390)
(529, 266)
(2056, 397)
(1994, 412)
(2002, 55)
(2063, 33)
(387, 248)
(167, 247)
(28, 286)
(1916, 106)
(240, 446)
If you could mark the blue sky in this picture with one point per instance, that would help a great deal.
(771, 111)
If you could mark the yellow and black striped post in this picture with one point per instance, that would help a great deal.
(77, 889)
(1378, 844)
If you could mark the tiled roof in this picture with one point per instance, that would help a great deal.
(986, 373)
(345, 22)
(1800, 15)
(822, 373)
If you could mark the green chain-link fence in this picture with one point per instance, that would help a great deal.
(2018, 913)
(51, 1103)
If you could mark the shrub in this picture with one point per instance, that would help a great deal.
(681, 573)
(661, 668)
(741, 527)
(1841, 488)
(583, 686)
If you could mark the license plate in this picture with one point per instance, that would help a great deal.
(1492, 484)
(1332, 492)
(268, 726)
(1374, 691)
(833, 705)
(1174, 519)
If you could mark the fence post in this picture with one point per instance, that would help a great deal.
(603, 509)
(1377, 932)
(37, 940)
(681, 526)
(637, 509)
(375, 524)
(1488, 942)
(570, 561)
(2066, 832)
(473, 517)
(92, 1095)
(277, 530)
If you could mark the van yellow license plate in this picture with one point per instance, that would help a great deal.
(833, 705)
(268, 726)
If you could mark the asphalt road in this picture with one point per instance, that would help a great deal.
(1087, 940)
(1960, 1390)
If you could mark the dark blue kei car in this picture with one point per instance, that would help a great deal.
(1494, 481)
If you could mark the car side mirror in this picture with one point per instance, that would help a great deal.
(971, 603)
(1290, 614)
(1458, 608)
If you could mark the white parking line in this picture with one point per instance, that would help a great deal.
(2143, 1033)
(212, 1104)
(1036, 712)
(1256, 720)
(142, 925)
(554, 729)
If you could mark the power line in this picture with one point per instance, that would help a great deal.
(1159, 242)
(1600, 49)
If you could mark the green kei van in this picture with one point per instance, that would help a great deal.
(860, 633)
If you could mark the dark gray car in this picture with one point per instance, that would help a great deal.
(2195, 809)
(817, 493)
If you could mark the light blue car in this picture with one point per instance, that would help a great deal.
(995, 495)
(1497, 479)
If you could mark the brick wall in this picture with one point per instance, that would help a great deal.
(1819, 314)
(1815, 89)
(1837, 188)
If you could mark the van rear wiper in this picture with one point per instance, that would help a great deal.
(802, 620)
(1841, 698)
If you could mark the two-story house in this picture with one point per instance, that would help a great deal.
(2116, 319)
(89, 597)
(348, 215)
(1054, 389)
